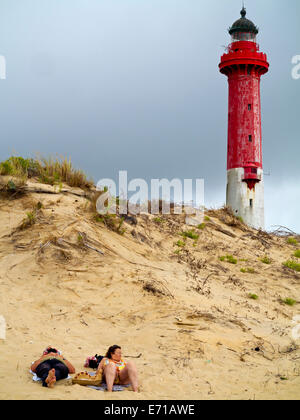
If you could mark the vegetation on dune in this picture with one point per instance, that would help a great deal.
(190, 234)
(226, 215)
(292, 265)
(31, 217)
(248, 270)
(112, 222)
(289, 301)
(158, 220)
(266, 260)
(228, 258)
(180, 244)
(48, 171)
(202, 226)
(292, 241)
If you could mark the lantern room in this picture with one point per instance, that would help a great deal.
(243, 29)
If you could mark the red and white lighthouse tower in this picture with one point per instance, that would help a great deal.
(244, 65)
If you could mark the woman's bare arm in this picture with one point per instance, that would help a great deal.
(67, 363)
(101, 364)
(58, 357)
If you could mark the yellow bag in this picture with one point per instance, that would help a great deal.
(84, 378)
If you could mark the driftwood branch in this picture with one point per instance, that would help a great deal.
(63, 191)
(135, 357)
(283, 231)
(84, 241)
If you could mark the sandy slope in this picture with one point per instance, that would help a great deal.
(198, 331)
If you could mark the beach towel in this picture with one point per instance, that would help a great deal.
(103, 386)
(35, 378)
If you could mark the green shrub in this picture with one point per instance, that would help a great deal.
(190, 234)
(297, 253)
(16, 166)
(248, 270)
(180, 244)
(158, 220)
(292, 241)
(266, 260)
(289, 301)
(229, 258)
(253, 296)
(29, 220)
(207, 219)
(202, 226)
(292, 265)
(49, 171)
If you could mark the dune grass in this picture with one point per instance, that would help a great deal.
(266, 260)
(248, 270)
(228, 258)
(48, 171)
(253, 296)
(190, 234)
(297, 253)
(292, 265)
(292, 241)
(112, 222)
(201, 226)
(289, 301)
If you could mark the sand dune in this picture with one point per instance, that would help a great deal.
(186, 312)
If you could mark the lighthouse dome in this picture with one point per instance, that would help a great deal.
(243, 25)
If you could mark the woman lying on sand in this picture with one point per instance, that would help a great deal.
(116, 371)
(52, 367)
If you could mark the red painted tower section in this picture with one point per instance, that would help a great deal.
(244, 65)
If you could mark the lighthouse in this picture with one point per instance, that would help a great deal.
(244, 64)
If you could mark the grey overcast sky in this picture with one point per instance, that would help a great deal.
(134, 85)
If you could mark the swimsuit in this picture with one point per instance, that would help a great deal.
(119, 365)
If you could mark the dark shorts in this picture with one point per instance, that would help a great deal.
(61, 370)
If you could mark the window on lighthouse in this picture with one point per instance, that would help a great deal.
(250, 139)
(243, 36)
(249, 107)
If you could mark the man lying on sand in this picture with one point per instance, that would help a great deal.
(116, 371)
(52, 367)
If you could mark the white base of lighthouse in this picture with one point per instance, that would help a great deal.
(246, 203)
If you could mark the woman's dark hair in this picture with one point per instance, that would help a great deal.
(111, 351)
(51, 350)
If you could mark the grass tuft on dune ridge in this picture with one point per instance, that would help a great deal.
(53, 171)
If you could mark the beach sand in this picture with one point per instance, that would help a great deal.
(184, 318)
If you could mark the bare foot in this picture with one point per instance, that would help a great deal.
(51, 379)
